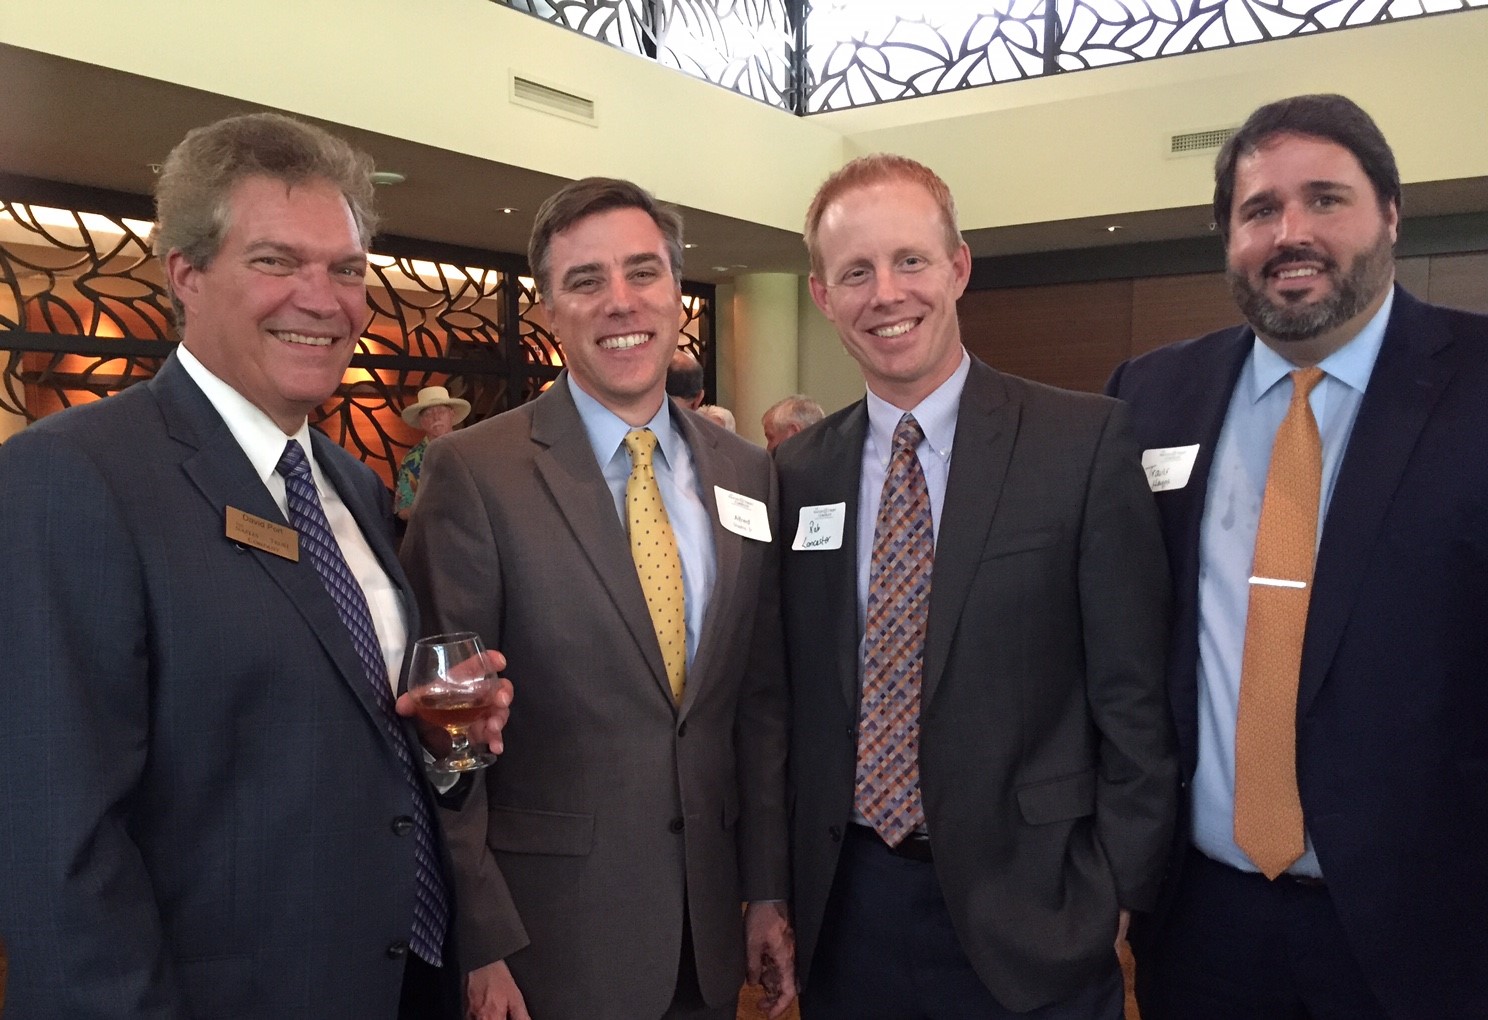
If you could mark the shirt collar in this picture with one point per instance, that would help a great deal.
(607, 431)
(262, 441)
(936, 413)
(1351, 364)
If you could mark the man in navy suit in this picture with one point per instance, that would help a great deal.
(1378, 905)
(210, 808)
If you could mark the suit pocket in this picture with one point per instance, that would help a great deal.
(999, 546)
(1058, 800)
(523, 831)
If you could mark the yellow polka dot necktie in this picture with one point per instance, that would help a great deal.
(1268, 807)
(654, 549)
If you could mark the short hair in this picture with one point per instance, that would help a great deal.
(684, 376)
(1334, 118)
(719, 415)
(588, 197)
(196, 182)
(879, 168)
(797, 409)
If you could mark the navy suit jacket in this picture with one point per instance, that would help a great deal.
(200, 813)
(1046, 761)
(1392, 709)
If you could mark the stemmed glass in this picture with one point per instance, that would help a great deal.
(451, 688)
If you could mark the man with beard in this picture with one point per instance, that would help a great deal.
(1325, 500)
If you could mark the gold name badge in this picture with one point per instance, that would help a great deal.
(261, 534)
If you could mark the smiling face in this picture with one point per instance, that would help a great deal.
(889, 285)
(277, 311)
(1310, 255)
(616, 308)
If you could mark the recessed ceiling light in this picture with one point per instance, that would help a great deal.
(387, 178)
(689, 245)
(508, 209)
(1113, 228)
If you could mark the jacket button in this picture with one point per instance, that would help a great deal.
(402, 825)
(676, 825)
(835, 832)
(682, 728)
(397, 950)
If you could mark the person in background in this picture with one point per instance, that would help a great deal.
(618, 551)
(719, 415)
(786, 417)
(1322, 484)
(976, 611)
(436, 414)
(684, 380)
(210, 806)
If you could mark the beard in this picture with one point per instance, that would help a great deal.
(1352, 291)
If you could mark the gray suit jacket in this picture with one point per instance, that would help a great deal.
(612, 809)
(1045, 749)
(199, 809)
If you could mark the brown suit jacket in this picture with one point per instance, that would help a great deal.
(612, 810)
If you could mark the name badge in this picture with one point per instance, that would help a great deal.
(261, 534)
(1170, 467)
(820, 527)
(742, 515)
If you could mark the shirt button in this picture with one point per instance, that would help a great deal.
(676, 825)
(402, 825)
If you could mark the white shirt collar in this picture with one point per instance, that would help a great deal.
(262, 440)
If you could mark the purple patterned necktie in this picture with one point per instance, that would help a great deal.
(431, 901)
(887, 792)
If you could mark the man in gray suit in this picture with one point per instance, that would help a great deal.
(975, 609)
(209, 806)
(641, 797)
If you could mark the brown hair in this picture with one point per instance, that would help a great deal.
(590, 196)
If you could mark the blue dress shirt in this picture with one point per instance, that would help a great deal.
(681, 494)
(1232, 512)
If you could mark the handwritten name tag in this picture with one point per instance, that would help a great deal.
(820, 527)
(742, 514)
(261, 534)
(1169, 468)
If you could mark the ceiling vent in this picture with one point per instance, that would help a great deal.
(537, 96)
(1192, 143)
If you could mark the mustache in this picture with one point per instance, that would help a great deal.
(1298, 254)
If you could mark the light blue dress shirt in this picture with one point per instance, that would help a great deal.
(681, 494)
(1232, 512)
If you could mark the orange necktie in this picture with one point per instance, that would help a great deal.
(1268, 808)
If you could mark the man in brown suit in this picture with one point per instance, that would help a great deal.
(640, 798)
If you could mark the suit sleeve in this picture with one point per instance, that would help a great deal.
(760, 736)
(77, 906)
(1124, 603)
(453, 562)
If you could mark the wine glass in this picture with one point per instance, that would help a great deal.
(451, 688)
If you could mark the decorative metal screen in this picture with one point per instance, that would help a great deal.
(811, 56)
(84, 313)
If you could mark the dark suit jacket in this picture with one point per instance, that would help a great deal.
(612, 808)
(1045, 753)
(1392, 712)
(198, 810)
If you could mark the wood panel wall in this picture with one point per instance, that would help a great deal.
(1074, 334)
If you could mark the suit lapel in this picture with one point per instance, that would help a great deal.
(223, 474)
(836, 475)
(567, 467)
(986, 427)
(723, 603)
(1408, 379)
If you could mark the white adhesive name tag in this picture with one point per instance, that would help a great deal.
(742, 515)
(1169, 468)
(820, 527)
